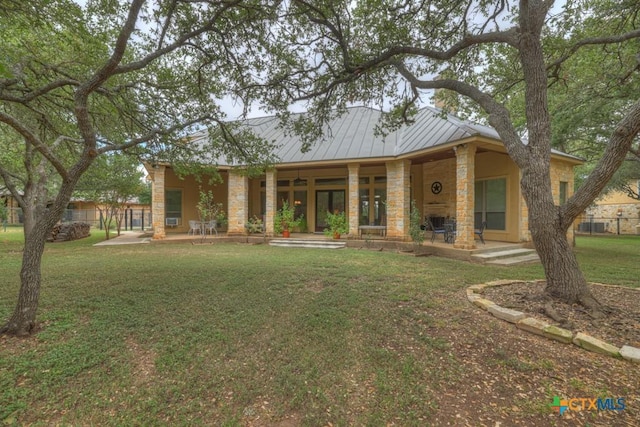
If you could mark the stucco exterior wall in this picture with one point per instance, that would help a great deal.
(190, 196)
(491, 165)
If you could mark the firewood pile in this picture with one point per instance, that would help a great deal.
(66, 232)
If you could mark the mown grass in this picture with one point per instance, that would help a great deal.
(227, 334)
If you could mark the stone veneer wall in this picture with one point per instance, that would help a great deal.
(157, 202)
(354, 199)
(271, 202)
(442, 204)
(465, 189)
(238, 203)
(608, 214)
(398, 202)
(606, 210)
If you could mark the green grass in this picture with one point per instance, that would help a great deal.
(610, 259)
(222, 334)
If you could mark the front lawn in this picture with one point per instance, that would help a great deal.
(234, 334)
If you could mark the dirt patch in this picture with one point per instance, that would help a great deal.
(621, 326)
(510, 378)
(143, 362)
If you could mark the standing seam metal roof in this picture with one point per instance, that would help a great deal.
(352, 136)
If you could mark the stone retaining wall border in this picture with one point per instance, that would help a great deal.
(535, 326)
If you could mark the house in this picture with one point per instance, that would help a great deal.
(614, 212)
(137, 214)
(14, 214)
(451, 168)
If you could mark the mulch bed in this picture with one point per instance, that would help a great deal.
(620, 326)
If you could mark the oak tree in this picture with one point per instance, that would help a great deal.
(330, 53)
(79, 82)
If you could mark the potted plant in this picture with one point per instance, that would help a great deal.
(285, 219)
(337, 224)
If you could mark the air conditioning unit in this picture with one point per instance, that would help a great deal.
(171, 222)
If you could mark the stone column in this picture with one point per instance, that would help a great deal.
(238, 203)
(398, 203)
(271, 201)
(354, 198)
(465, 196)
(157, 201)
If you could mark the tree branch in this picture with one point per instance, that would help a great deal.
(31, 139)
(594, 41)
(498, 115)
(617, 148)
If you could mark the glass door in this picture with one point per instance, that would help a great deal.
(328, 201)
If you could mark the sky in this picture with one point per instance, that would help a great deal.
(234, 109)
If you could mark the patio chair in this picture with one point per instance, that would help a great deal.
(450, 232)
(480, 231)
(194, 227)
(210, 227)
(435, 231)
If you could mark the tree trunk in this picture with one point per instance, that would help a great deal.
(564, 277)
(565, 280)
(23, 320)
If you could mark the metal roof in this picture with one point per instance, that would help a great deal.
(352, 136)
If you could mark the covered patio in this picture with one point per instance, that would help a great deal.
(451, 169)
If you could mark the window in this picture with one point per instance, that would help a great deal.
(293, 192)
(300, 203)
(373, 199)
(173, 204)
(331, 181)
(564, 188)
(491, 203)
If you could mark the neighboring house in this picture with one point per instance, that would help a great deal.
(138, 214)
(615, 212)
(14, 214)
(451, 168)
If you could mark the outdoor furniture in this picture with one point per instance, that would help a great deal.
(194, 227)
(450, 232)
(210, 227)
(382, 229)
(436, 221)
(480, 231)
(435, 231)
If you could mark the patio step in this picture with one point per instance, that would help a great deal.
(507, 257)
(307, 243)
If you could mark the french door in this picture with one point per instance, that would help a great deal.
(328, 201)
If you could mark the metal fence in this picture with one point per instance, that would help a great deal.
(134, 219)
(618, 225)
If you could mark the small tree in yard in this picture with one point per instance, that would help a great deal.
(415, 225)
(489, 52)
(110, 183)
(209, 210)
